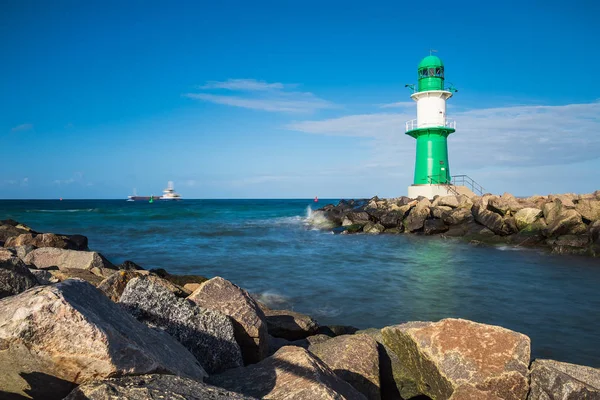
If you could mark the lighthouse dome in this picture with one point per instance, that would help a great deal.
(431, 61)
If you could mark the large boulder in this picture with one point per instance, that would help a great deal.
(9, 228)
(55, 337)
(50, 256)
(249, 321)
(490, 219)
(448, 201)
(15, 277)
(48, 240)
(507, 204)
(434, 226)
(391, 219)
(85, 274)
(443, 356)
(458, 216)
(188, 283)
(114, 285)
(292, 373)
(290, 325)
(355, 359)
(156, 386)
(554, 380)
(207, 334)
(564, 222)
(589, 209)
(373, 228)
(417, 216)
(527, 216)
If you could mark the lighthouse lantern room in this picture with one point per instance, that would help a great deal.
(431, 130)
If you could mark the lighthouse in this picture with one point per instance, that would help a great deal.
(431, 130)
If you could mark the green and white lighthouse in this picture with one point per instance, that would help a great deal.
(431, 129)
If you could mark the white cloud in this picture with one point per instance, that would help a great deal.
(259, 95)
(22, 128)
(503, 136)
(244, 85)
(78, 177)
(25, 181)
(259, 179)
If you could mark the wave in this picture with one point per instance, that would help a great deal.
(273, 299)
(63, 211)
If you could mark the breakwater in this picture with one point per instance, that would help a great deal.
(117, 322)
(565, 224)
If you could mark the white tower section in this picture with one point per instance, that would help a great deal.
(431, 110)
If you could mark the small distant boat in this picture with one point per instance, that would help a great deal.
(316, 199)
(168, 194)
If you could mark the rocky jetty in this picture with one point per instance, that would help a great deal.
(74, 326)
(565, 224)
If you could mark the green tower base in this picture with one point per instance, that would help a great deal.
(431, 163)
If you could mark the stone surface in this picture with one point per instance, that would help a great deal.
(416, 218)
(373, 228)
(507, 204)
(291, 373)
(22, 251)
(434, 226)
(49, 256)
(249, 321)
(180, 280)
(145, 387)
(458, 216)
(70, 273)
(391, 219)
(564, 222)
(554, 380)
(15, 277)
(445, 355)
(448, 201)
(207, 334)
(44, 277)
(290, 325)
(355, 359)
(589, 209)
(53, 337)
(114, 285)
(47, 240)
(8, 230)
(527, 216)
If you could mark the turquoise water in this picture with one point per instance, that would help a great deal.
(267, 247)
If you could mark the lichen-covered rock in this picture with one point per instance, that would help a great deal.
(527, 216)
(290, 325)
(15, 277)
(554, 380)
(156, 386)
(373, 228)
(292, 373)
(445, 355)
(50, 256)
(207, 334)
(355, 359)
(55, 337)
(249, 321)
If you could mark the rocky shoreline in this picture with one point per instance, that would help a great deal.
(75, 326)
(564, 224)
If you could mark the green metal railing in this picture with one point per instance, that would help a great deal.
(437, 180)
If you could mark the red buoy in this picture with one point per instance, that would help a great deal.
(316, 199)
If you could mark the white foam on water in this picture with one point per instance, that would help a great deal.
(272, 299)
(327, 311)
(63, 211)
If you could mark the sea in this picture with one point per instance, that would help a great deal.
(271, 248)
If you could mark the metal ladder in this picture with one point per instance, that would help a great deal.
(465, 180)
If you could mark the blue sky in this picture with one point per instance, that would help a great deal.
(290, 99)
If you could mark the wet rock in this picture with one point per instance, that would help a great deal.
(527, 216)
(50, 256)
(490, 219)
(554, 380)
(155, 386)
(434, 226)
(353, 358)
(569, 244)
(290, 325)
(589, 209)
(391, 219)
(55, 337)
(15, 277)
(445, 355)
(207, 334)
(291, 373)
(249, 321)
(373, 228)
(358, 217)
